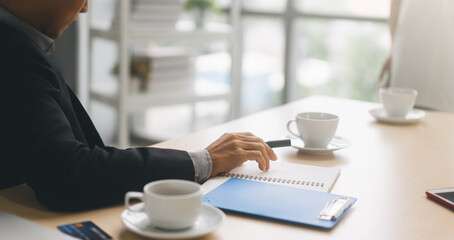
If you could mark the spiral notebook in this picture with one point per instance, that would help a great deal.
(281, 173)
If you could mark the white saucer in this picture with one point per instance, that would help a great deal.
(209, 220)
(412, 117)
(337, 143)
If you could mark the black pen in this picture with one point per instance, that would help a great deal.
(279, 143)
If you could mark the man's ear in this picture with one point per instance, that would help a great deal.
(85, 7)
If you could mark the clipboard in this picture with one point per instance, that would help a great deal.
(277, 202)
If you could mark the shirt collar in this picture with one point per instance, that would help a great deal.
(43, 41)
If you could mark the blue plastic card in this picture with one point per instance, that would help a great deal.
(84, 230)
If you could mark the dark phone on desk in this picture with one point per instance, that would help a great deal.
(444, 196)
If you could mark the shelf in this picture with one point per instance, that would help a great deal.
(184, 31)
(162, 94)
(203, 90)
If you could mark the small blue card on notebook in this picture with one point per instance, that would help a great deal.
(273, 201)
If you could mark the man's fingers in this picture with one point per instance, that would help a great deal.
(258, 157)
(256, 146)
(270, 152)
(260, 154)
(260, 148)
(248, 141)
(232, 149)
(249, 137)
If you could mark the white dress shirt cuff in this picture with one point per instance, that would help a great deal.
(202, 165)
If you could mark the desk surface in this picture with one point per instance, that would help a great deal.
(387, 167)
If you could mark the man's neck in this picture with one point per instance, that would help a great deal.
(39, 37)
(26, 10)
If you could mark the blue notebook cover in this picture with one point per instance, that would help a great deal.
(273, 201)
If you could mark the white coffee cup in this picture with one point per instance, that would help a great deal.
(316, 129)
(397, 102)
(170, 204)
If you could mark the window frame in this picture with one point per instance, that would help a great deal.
(290, 15)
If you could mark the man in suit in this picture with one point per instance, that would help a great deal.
(49, 142)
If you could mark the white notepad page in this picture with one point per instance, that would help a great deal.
(282, 173)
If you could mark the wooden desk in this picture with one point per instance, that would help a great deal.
(388, 168)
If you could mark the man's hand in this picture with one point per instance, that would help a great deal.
(232, 149)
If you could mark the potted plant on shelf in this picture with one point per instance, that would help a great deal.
(139, 71)
(200, 7)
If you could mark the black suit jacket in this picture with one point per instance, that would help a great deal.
(49, 142)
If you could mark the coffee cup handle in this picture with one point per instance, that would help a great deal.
(133, 195)
(290, 130)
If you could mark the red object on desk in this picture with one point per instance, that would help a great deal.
(434, 195)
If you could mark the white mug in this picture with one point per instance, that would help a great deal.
(316, 129)
(170, 204)
(397, 102)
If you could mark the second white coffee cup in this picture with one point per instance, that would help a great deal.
(316, 129)
(170, 204)
(397, 102)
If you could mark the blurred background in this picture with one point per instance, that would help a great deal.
(152, 70)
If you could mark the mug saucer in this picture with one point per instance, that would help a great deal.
(412, 117)
(209, 219)
(337, 143)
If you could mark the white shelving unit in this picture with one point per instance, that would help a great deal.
(121, 98)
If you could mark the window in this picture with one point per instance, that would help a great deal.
(363, 8)
(339, 57)
(263, 77)
(296, 48)
(265, 5)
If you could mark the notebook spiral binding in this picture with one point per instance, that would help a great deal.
(275, 180)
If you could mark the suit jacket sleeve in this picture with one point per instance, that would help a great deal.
(47, 144)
